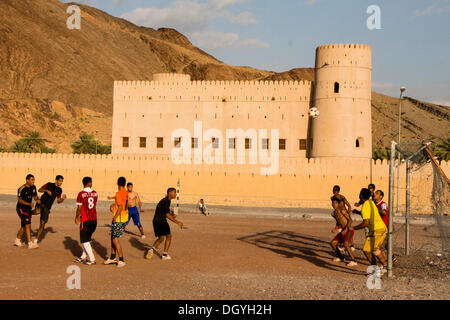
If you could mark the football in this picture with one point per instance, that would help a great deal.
(314, 112)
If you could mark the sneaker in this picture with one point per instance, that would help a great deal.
(121, 264)
(149, 254)
(110, 261)
(338, 260)
(352, 264)
(33, 245)
(79, 260)
(394, 258)
(143, 236)
(89, 263)
(165, 256)
(18, 243)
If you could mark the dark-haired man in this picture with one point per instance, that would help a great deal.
(161, 226)
(377, 230)
(51, 191)
(134, 208)
(344, 205)
(345, 234)
(119, 220)
(86, 217)
(371, 188)
(25, 195)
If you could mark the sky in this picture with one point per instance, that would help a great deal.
(410, 45)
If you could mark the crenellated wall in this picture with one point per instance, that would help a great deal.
(300, 183)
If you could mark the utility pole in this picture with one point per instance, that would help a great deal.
(402, 89)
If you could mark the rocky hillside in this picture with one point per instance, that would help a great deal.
(60, 81)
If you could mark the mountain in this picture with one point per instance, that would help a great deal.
(60, 81)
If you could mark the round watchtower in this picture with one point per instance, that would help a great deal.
(342, 93)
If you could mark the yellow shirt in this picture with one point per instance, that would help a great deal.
(121, 199)
(370, 212)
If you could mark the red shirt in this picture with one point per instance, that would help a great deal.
(87, 199)
(383, 206)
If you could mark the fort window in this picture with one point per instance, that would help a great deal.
(265, 144)
(282, 144)
(302, 144)
(194, 143)
(125, 142)
(232, 143)
(336, 87)
(177, 142)
(248, 143)
(159, 142)
(215, 143)
(142, 142)
(359, 142)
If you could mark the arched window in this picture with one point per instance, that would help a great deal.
(336, 87)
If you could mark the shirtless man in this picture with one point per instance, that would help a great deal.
(133, 211)
(345, 233)
(344, 204)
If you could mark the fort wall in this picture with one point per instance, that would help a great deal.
(300, 182)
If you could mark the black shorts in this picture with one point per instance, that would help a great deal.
(161, 228)
(87, 228)
(45, 211)
(24, 215)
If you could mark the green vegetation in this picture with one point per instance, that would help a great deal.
(87, 145)
(442, 150)
(32, 143)
(381, 153)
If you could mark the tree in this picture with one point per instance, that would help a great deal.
(442, 150)
(87, 145)
(381, 153)
(32, 143)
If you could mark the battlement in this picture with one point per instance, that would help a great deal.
(232, 83)
(170, 77)
(344, 46)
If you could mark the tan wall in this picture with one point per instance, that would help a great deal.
(299, 184)
(154, 109)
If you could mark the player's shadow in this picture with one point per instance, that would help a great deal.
(293, 245)
(135, 243)
(73, 246)
(101, 250)
(46, 231)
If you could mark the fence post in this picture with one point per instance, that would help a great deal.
(408, 206)
(391, 208)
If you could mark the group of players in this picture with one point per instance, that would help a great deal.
(374, 213)
(127, 206)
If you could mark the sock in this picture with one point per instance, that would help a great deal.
(88, 249)
(339, 254)
(121, 259)
(113, 256)
(84, 255)
(164, 253)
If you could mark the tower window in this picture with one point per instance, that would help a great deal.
(248, 143)
(159, 142)
(336, 87)
(125, 142)
(282, 144)
(359, 142)
(265, 144)
(232, 143)
(177, 142)
(143, 142)
(302, 144)
(194, 143)
(215, 143)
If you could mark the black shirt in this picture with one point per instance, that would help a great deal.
(56, 193)
(162, 209)
(26, 194)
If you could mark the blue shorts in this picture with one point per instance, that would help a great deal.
(133, 213)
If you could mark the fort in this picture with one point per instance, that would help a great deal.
(314, 154)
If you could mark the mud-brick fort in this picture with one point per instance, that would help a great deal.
(314, 153)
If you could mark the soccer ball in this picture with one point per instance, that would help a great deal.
(314, 112)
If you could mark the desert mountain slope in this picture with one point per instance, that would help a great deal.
(60, 81)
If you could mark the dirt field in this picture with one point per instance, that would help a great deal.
(216, 257)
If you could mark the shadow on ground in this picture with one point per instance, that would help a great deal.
(293, 245)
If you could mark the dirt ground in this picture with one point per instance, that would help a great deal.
(216, 257)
